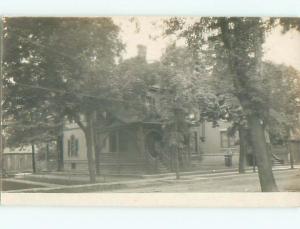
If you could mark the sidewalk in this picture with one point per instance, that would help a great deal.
(155, 180)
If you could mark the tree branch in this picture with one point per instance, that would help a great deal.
(79, 123)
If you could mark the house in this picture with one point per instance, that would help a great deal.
(217, 149)
(294, 143)
(17, 160)
(131, 147)
(134, 144)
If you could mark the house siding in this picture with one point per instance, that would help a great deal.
(212, 154)
(206, 151)
(131, 161)
(16, 163)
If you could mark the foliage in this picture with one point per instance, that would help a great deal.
(236, 44)
(57, 66)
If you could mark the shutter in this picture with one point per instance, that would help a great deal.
(69, 147)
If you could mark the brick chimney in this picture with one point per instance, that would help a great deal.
(141, 51)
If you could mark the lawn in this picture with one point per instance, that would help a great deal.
(10, 185)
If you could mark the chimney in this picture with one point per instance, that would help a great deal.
(141, 51)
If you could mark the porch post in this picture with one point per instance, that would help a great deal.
(290, 151)
(189, 149)
(141, 142)
(118, 151)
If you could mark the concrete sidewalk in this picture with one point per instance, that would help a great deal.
(186, 177)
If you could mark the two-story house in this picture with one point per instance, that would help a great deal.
(130, 144)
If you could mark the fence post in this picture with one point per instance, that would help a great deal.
(254, 163)
(290, 152)
(292, 159)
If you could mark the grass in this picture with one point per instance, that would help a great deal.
(10, 185)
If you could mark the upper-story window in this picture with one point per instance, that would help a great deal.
(150, 102)
(227, 141)
(73, 146)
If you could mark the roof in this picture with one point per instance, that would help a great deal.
(18, 150)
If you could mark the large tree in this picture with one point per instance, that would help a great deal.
(237, 44)
(65, 64)
(177, 101)
(30, 114)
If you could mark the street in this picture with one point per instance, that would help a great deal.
(287, 180)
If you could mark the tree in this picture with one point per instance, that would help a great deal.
(284, 99)
(69, 60)
(237, 42)
(31, 114)
(177, 100)
(211, 93)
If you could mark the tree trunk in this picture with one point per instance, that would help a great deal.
(262, 156)
(97, 152)
(47, 156)
(291, 153)
(177, 151)
(90, 145)
(1, 96)
(243, 148)
(59, 149)
(177, 163)
(33, 158)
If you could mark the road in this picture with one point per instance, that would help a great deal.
(287, 180)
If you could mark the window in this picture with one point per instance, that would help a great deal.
(73, 146)
(21, 163)
(196, 141)
(150, 102)
(73, 165)
(226, 140)
(69, 148)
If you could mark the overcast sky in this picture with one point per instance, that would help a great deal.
(279, 48)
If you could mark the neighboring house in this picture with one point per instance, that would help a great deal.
(16, 160)
(294, 144)
(294, 141)
(217, 148)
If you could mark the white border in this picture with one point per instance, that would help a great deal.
(153, 7)
(236, 200)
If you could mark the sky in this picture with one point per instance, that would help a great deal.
(278, 48)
